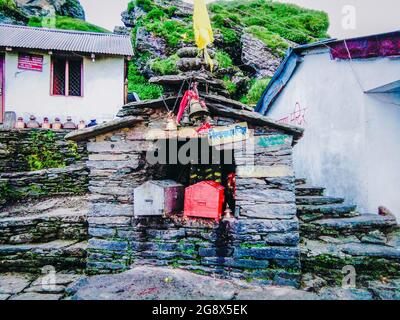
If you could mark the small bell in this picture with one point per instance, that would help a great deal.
(228, 213)
(57, 124)
(171, 124)
(46, 124)
(185, 119)
(20, 124)
(196, 109)
(32, 123)
(69, 125)
(81, 125)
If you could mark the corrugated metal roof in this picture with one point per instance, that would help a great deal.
(64, 40)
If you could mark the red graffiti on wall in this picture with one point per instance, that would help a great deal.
(297, 117)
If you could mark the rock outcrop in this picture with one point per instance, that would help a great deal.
(258, 57)
(22, 10)
(44, 8)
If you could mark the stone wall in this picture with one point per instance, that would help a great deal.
(72, 180)
(17, 147)
(261, 244)
(40, 163)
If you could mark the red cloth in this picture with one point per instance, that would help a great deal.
(189, 95)
(204, 128)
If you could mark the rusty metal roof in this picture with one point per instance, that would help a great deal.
(64, 40)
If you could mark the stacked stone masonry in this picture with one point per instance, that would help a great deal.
(22, 152)
(16, 145)
(260, 244)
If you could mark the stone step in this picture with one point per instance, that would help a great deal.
(314, 212)
(307, 190)
(317, 200)
(61, 254)
(358, 226)
(63, 223)
(300, 181)
(371, 261)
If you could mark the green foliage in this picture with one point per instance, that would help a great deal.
(138, 83)
(67, 23)
(7, 4)
(256, 90)
(10, 9)
(286, 20)
(274, 41)
(146, 5)
(165, 66)
(230, 86)
(131, 6)
(43, 151)
(224, 60)
(5, 192)
(171, 30)
(226, 26)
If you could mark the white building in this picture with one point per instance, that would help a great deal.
(58, 73)
(346, 94)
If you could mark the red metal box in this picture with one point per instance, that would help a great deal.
(204, 199)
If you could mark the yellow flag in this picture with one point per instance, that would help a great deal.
(202, 28)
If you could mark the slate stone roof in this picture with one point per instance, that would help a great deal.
(64, 40)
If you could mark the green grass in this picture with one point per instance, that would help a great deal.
(165, 66)
(230, 86)
(286, 20)
(275, 42)
(256, 90)
(224, 60)
(138, 83)
(66, 23)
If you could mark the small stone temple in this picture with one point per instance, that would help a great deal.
(257, 238)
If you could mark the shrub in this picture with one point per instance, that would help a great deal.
(137, 83)
(67, 23)
(256, 90)
(146, 5)
(230, 86)
(275, 42)
(165, 66)
(224, 59)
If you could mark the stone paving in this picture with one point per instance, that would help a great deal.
(160, 283)
(23, 286)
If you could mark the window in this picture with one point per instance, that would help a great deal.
(66, 77)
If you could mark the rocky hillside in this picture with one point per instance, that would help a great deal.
(66, 14)
(44, 8)
(251, 37)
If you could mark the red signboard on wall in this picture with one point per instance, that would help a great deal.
(30, 62)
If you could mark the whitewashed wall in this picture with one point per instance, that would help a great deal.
(28, 92)
(351, 143)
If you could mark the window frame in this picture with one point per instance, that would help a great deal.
(67, 59)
